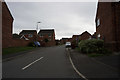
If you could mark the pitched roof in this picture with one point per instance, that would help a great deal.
(64, 38)
(85, 33)
(75, 36)
(5, 7)
(23, 32)
(46, 32)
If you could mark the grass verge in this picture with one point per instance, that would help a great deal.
(12, 50)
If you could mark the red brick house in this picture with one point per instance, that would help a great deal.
(85, 35)
(108, 24)
(46, 37)
(76, 38)
(7, 23)
(29, 34)
(64, 40)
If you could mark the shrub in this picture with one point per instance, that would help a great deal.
(31, 44)
(92, 46)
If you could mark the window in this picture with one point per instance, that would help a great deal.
(41, 35)
(98, 36)
(30, 35)
(98, 22)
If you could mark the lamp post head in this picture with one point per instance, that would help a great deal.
(38, 22)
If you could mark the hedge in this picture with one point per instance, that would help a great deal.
(92, 46)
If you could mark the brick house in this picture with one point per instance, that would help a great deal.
(75, 38)
(46, 37)
(29, 34)
(108, 24)
(64, 40)
(85, 35)
(7, 23)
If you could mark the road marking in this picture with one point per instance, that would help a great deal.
(31, 63)
(76, 69)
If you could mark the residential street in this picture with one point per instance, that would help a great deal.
(53, 62)
(49, 62)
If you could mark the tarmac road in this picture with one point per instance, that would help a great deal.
(50, 62)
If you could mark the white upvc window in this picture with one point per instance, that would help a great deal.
(30, 35)
(98, 22)
(98, 36)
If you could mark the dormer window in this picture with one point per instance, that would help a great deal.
(98, 22)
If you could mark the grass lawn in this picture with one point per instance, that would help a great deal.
(15, 50)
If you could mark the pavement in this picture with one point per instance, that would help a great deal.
(49, 62)
(106, 67)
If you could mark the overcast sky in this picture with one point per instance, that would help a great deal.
(67, 18)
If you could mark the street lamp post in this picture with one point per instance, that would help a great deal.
(37, 29)
(37, 26)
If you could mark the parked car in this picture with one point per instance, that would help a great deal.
(37, 43)
(68, 44)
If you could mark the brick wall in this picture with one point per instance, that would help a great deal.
(109, 28)
(19, 42)
(51, 43)
(117, 20)
(7, 22)
(105, 14)
(51, 40)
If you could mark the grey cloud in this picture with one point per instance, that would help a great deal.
(67, 18)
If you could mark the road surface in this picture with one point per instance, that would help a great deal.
(50, 62)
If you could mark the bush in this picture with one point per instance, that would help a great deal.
(31, 44)
(92, 46)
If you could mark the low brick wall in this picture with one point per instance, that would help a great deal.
(19, 42)
(44, 44)
(15, 43)
(52, 43)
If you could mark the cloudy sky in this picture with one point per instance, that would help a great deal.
(67, 18)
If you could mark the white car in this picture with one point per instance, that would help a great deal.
(68, 44)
